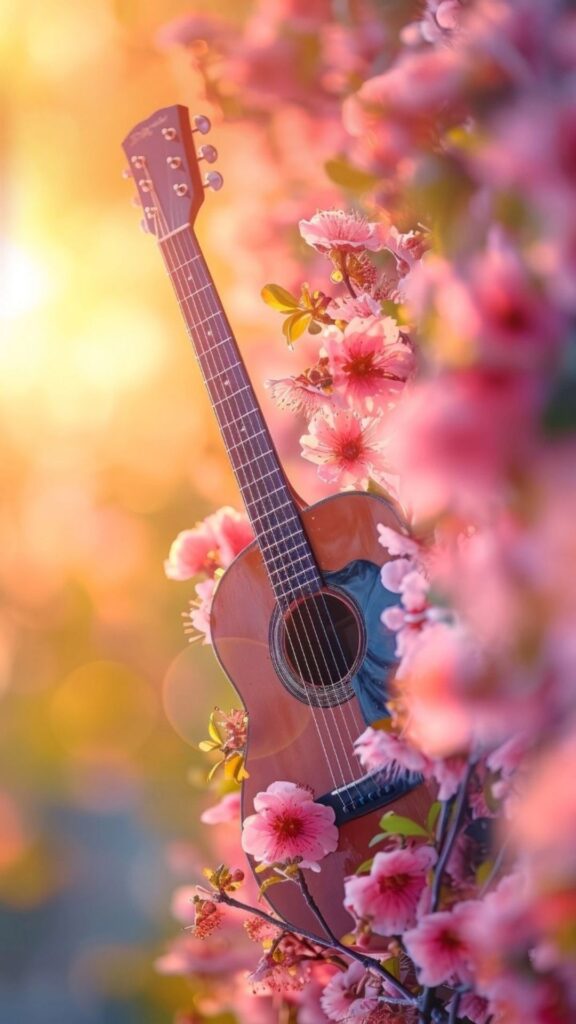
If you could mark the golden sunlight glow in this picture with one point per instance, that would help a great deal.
(23, 281)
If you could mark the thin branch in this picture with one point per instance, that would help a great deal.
(448, 829)
(451, 836)
(367, 961)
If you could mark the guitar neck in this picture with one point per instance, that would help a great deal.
(285, 548)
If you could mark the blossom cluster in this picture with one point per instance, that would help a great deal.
(439, 372)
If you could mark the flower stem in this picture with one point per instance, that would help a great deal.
(448, 833)
(370, 963)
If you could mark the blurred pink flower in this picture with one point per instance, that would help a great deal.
(349, 449)
(336, 229)
(453, 439)
(438, 947)
(288, 824)
(441, 679)
(381, 748)
(448, 773)
(199, 612)
(192, 551)
(227, 809)
(397, 543)
(388, 896)
(369, 362)
(210, 545)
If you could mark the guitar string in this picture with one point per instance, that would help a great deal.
(249, 484)
(359, 726)
(227, 369)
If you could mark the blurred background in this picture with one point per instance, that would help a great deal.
(107, 450)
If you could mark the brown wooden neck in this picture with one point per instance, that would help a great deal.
(289, 560)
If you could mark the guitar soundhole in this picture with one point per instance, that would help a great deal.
(319, 644)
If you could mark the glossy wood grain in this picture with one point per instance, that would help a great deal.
(283, 740)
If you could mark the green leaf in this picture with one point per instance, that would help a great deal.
(347, 176)
(295, 325)
(278, 298)
(379, 838)
(273, 880)
(392, 965)
(400, 826)
(483, 872)
(364, 866)
(433, 816)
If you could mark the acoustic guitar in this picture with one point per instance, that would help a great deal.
(296, 617)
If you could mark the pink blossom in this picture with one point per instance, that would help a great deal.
(308, 392)
(397, 543)
(288, 824)
(348, 993)
(414, 613)
(369, 361)
(438, 948)
(388, 896)
(439, 674)
(336, 229)
(393, 573)
(453, 439)
(199, 613)
(383, 748)
(448, 773)
(348, 448)
(227, 809)
(210, 545)
(347, 308)
(192, 551)
(233, 533)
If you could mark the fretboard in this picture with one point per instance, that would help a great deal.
(289, 560)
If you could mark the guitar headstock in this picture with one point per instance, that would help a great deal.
(164, 164)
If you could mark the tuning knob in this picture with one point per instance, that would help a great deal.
(208, 153)
(126, 173)
(144, 227)
(214, 180)
(202, 124)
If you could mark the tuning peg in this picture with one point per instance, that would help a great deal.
(208, 153)
(126, 173)
(136, 201)
(214, 180)
(202, 124)
(144, 226)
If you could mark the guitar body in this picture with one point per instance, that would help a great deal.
(288, 739)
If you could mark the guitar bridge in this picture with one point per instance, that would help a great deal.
(370, 792)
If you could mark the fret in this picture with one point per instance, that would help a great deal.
(171, 270)
(211, 316)
(283, 504)
(228, 398)
(249, 412)
(226, 369)
(286, 552)
(257, 455)
(283, 568)
(192, 295)
(261, 477)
